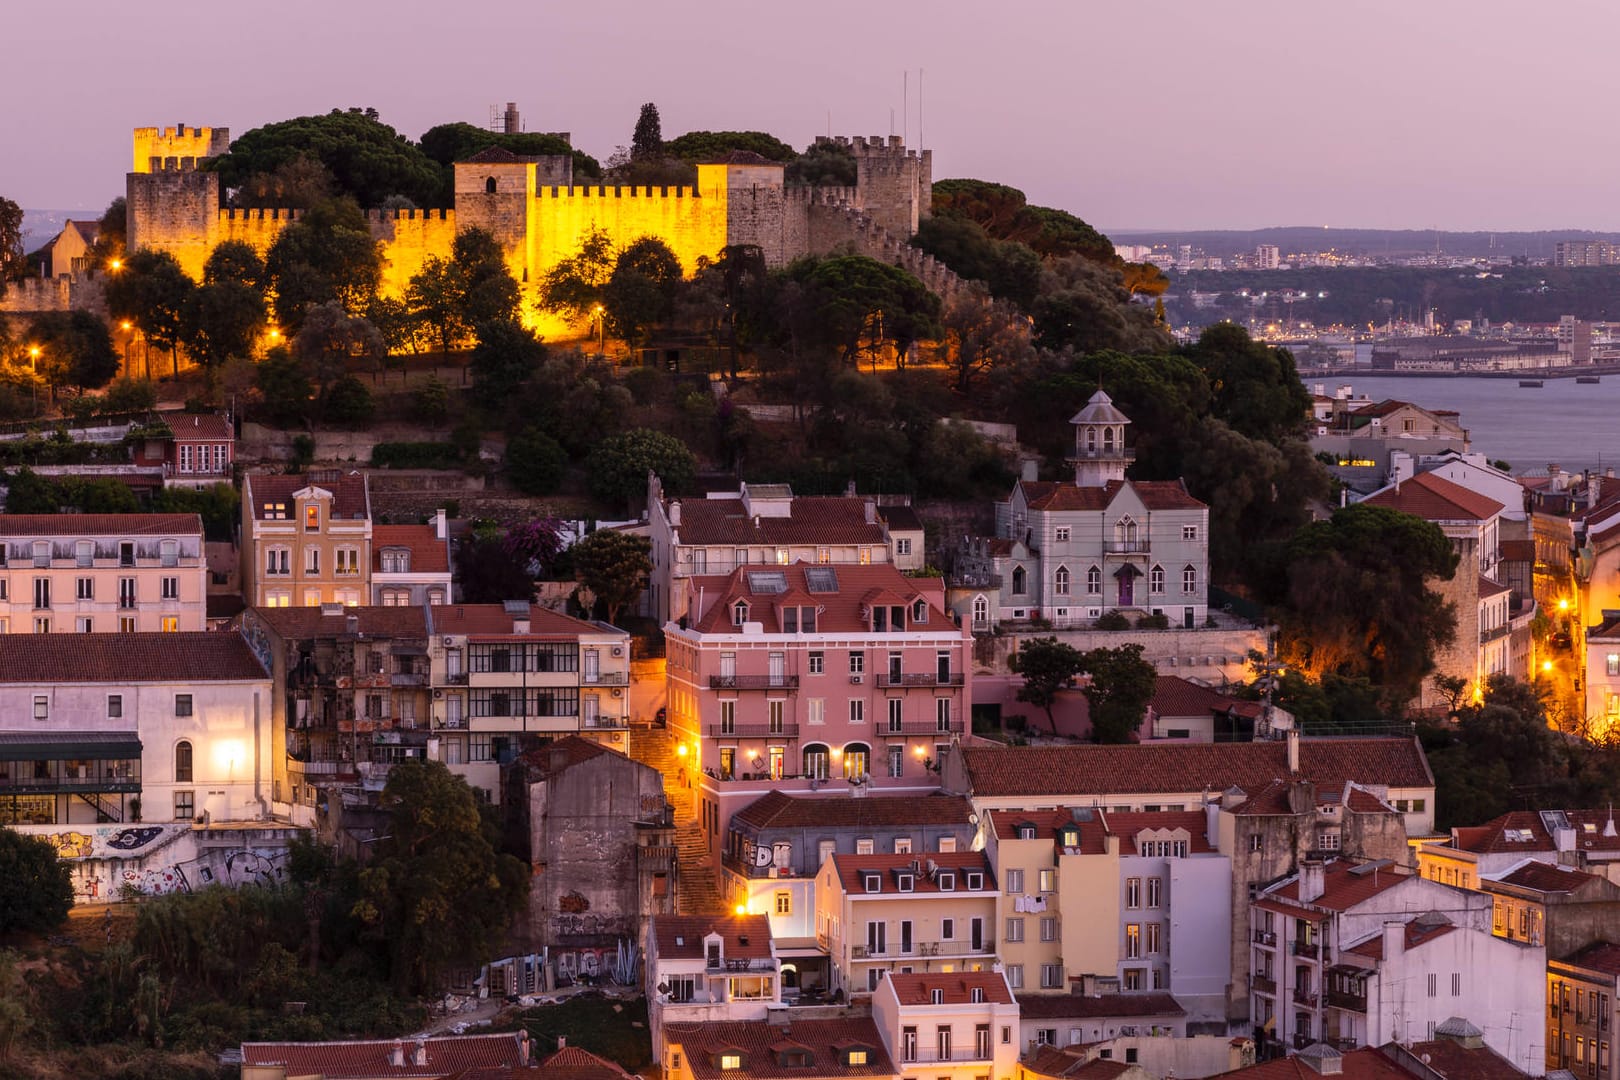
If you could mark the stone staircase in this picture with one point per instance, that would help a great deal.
(699, 891)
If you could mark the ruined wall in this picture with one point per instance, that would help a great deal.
(109, 860)
(174, 208)
(177, 142)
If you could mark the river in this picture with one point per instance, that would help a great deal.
(1574, 424)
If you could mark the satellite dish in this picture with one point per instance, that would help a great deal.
(973, 819)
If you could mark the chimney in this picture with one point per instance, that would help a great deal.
(396, 1056)
(352, 623)
(675, 513)
(1394, 940)
(441, 525)
(523, 1049)
(1312, 880)
(1029, 470)
(1292, 739)
(562, 1041)
(871, 511)
(419, 1054)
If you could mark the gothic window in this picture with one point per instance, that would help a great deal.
(1156, 580)
(489, 185)
(1060, 581)
(1189, 578)
(1019, 581)
(1125, 529)
(981, 609)
(1094, 581)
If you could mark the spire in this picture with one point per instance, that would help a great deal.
(1100, 455)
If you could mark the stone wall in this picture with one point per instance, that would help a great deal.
(174, 208)
(177, 142)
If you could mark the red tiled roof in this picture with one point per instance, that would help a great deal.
(779, 810)
(564, 753)
(841, 611)
(850, 868)
(87, 230)
(1416, 934)
(1155, 495)
(1096, 1006)
(1493, 837)
(1176, 696)
(1125, 825)
(1487, 587)
(1342, 889)
(202, 427)
(743, 937)
(493, 620)
(372, 621)
(743, 157)
(1544, 877)
(955, 987)
(334, 1060)
(569, 1063)
(100, 525)
(1070, 1064)
(1599, 956)
(901, 518)
(830, 520)
(198, 656)
(1454, 1061)
(429, 554)
(827, 1040)
(1149, 768)
(349, 498)
(494, 155)
(1363, 1064)
(1359, 800)
(1434, 498)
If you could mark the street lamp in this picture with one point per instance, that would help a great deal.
(601, 329)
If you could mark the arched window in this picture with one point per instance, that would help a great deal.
(1091, 438)
(1019, 583)
(981, 609)
(856, 757)
(919, 612)
(739, 613)
(1108, 438)
(815, 761)
(1189, 578)
(1060, 581)
(182, 762)
(489, 185)
(1125, 529)
(1094, 581)
(1156, 579)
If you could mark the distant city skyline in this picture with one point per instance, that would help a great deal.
(1382, 114)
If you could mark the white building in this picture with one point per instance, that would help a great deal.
(955, 1026)
(709, 968)
(410, 564)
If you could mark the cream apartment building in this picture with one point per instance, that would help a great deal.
(102, 573)
(306, 540)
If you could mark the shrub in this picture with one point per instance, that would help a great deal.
(619, 465)
(417, 455)
(1113, 620)
(133, 395)
(535, 462)
(348, 402)
(1157, 621)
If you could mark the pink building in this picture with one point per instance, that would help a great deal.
(193, 448)
(833, 679)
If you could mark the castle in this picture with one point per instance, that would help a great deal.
(540, 216)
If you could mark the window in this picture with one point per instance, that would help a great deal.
(981, 609)
(126, 624)
(1048, 928)
(727, 1061)
(1456, 984)
(126, 593)
(1014, 882)
(1189, 579)
(1051, 976)
(739, 613)
(348, 561)
(182, 762)
(1257, 842)
(816, 662)
(1434, 985)
(42, 553)
(85, 588)
(908, 1043)
(42, 707)
(857, 710)
(1019, 581)
(902, 845)
(312, 518)
(1048, 881)
(1189, 532)
(42, 592)
(1133, 941)
(1060, 581)
(276, 561)
(857, 663)
(1133, 978)
(902, 546)
(185, 806)
(896, 714)
(815, 711)
(1061, 534)
(1155, 889)
(1133, 892)
(855, 760)
(1152, 938)
(897, 767)
(1015, 976)
(784, 902)
(170, 624)
(42, 624)
(856, 1057)
(171, 588)
(1094, 581)
(84, 553)
(1156, 580)
(115, 706)
(126, 553)
(182, 704)
(312, 560)
(1015, 928)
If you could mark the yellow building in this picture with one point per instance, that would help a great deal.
(306, 540)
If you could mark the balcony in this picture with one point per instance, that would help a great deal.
(932, 1057)
(457, 678)
(1339, 999)
(890, 680)
(751, 731)
(758, 963)
(1126, 547)
(1304, 997)
(605, 723)
(1267, 938)
(606, 678)
(921, 727)
(1101, 453)
(408, 678)
(1493, 634)
(753, 682)
(894, 950)
(1264, 983)
(1309, 949)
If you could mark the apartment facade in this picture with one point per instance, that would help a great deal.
(812, 678)
(1125, 902)
(885, 914)
(847, 1048)
(410, 564)
(151, 728)
(1582, 991)
(102, 573)
(306, 540)
(709, 967)
(1584, 839)
(956, 1025)
(504, 673)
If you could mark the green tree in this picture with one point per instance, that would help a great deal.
(614, 566)
(1121, 685)
(154, 293)
(434, 296)
(573, 288)
(1010, 270)
(347, 403)
(438, 891)
(700, 146)
(857, 299)
(490, 572)
(430, 401)
(489, 291)
(1049, 666)
(327, 255)
(127, 394)
(112, 233)
(11, 245)
(824, 163)
(283, 383)
(36, 887)
(367, 160)
(450, 143)
(505, 358)
(29, 493)
(648, 141)
(641, 292)
(535, 462)
(330, 338)
(1253, 387)
(619, 465)
(75, 349)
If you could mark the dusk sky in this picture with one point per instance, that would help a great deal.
(1378, 113)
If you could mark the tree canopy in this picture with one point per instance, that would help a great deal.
(12, 260)
(1120, 687)
(75, 349)
(367, 160)
(700, 146)
(648, 140)
(326, 255)
(1048, 666)
(36, 887)
(614, 566)
(619, 464)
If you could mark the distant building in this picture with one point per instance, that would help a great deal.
(948, 1025)
(1584, 253)
(1267, 257)
(1583, 994)
(306, 540)
(849, 1048)
(709, 967)
(383, 1059)
(410, 564)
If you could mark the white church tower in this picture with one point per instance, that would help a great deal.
(1099, 455)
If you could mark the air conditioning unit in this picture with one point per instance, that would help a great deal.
(855, 680)
(438, 695)
(448, 641)
(618, 650)
(618, 692)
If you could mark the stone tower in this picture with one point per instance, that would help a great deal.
(1099, 443)
(494, 189)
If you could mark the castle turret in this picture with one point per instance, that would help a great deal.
(1099, 443)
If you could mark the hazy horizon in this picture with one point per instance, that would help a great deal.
(1383, 115)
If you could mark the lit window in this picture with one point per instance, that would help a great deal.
(312, 518)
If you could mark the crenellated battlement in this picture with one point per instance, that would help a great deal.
(617, 191)
(800, 194)
(874, 146)
(154, 144)
(262, 213)
(410, 214)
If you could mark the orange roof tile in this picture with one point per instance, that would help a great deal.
(841, 609)
(1363, 1064)
(743, 937)
(1544, 877)
(1176, 696)
(202, 427)
(1599, 956)
(1416, 933)
(827, 1040)
(1091, 1006)
(1099, 824)
(830, 520)
(779, 810)
(1342, 889)
(197, 656)
(369, 621)
(350, 501)
(955, 987)
(851, 871)
(493, 620)
(429, 554)
(100, 525)
(1155, 495)
(1434, 498)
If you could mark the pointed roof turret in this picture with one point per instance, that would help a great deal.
(1100, 410)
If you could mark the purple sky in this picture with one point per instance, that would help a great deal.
(1379, 113)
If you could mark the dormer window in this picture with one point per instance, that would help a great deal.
(976, 995)
(42, 553)
(855, 1057)
(84, 552)
(396, 561)
(936, 997)
(1026, 832)
(711, 953)
(312, 518)
(919, 611)
(1070, 836)
(874, 883)
(947, 882)
(275, 511)
(730, 1061)
(905, 882)
(739, 613)
(975, 881)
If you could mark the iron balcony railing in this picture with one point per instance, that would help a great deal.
(752, 731)
(753, 682)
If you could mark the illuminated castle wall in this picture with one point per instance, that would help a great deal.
(532, 207)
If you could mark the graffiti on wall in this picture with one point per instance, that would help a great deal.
(115, 842)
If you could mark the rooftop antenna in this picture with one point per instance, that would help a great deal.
(905, 105)
(891, 119)
(920, 142)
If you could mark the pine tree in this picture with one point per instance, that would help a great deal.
(648, 142)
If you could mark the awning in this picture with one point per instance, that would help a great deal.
(93, 745)
(1127, 571)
